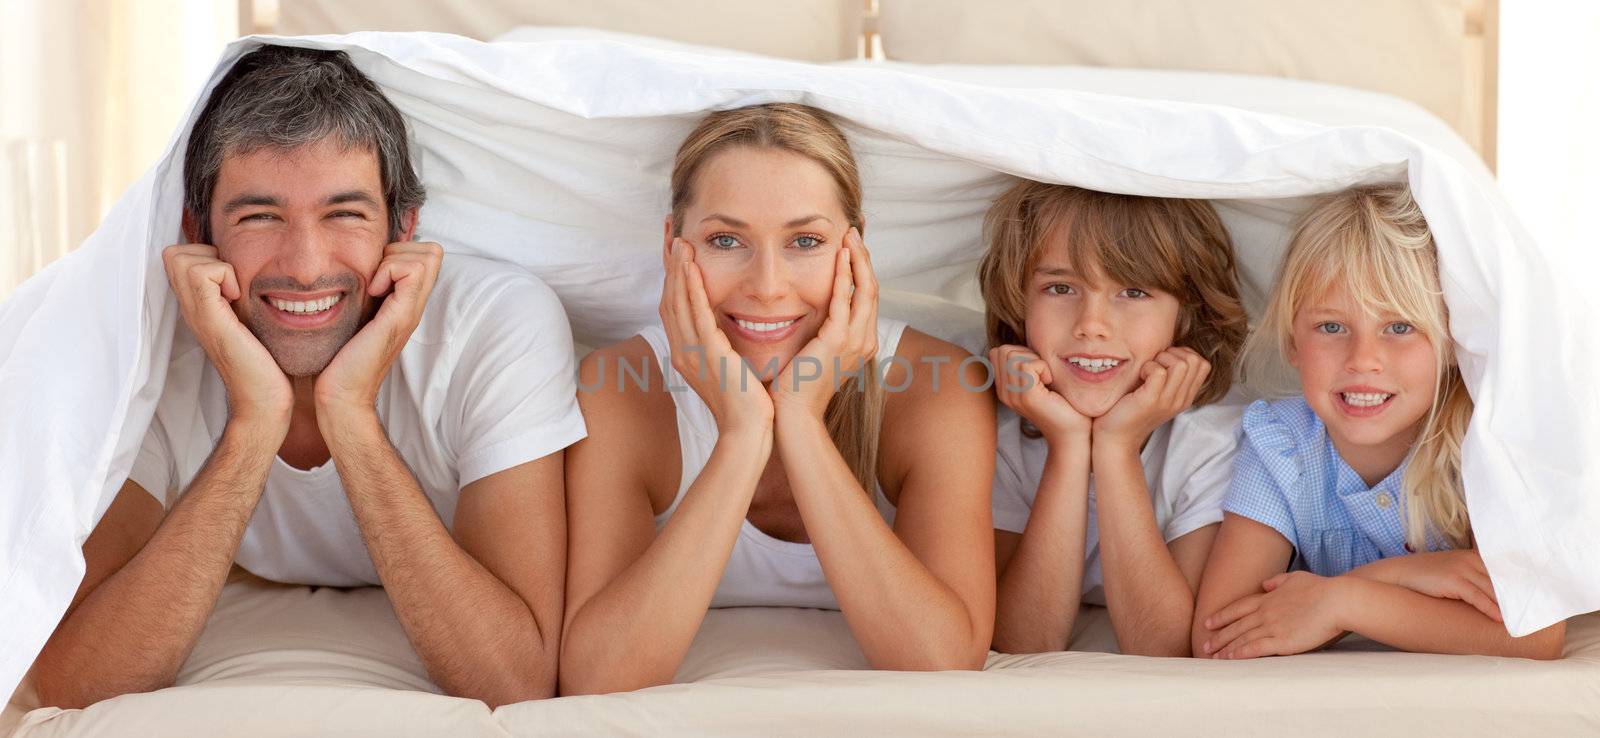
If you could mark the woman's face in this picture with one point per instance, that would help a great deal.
(1094, 332)
(765, 225)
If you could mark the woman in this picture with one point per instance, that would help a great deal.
(787, 474)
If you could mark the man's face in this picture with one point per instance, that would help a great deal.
(304, 230)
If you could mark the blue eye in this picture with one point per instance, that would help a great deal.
(1134, 292)
(1331, 328)
(807, 242)
(724, 241)
(1402, 329)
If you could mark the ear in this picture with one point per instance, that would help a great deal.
(1292, 353)
(666, 240)
(191, 227)
(862, 229)
(408, 225)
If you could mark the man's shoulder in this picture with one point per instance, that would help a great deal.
(473, 290)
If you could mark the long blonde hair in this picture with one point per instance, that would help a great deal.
(855, 413)
(1374, 242)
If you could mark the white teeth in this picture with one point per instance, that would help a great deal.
(762, 327)
(1366, 399)
(1094, 365)
(304, 307)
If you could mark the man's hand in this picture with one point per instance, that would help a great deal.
(351, 380)
(205, 287)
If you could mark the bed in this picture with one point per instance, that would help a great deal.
(285, 660)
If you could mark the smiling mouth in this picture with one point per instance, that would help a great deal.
(305, 307)
(1093, 366)
(762, 331)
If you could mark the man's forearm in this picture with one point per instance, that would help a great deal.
(135, 629)
(475, 635)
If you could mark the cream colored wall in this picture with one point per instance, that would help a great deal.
(90, 91)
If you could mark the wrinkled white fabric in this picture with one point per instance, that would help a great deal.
(555, 156)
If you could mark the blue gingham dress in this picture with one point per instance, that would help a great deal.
(1289, 476)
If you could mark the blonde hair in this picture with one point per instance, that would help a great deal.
(1178, 246)
(854, 415)
(1374, 243)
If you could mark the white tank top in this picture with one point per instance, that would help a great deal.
(762, 571)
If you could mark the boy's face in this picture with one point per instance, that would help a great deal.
(1093, 332)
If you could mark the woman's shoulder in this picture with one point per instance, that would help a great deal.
(621, 384)
(923, 364)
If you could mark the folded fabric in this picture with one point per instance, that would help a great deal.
(554, 156)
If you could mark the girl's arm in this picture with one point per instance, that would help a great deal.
(1041, 569)
(635, 598)
(919, 596)
(1246, 553)
(1300, 609)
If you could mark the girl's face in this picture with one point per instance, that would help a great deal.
(1371, 379)
(1093, 332)
(765, 225)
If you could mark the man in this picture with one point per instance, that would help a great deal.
(358, 410)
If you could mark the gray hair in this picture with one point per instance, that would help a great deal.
(283, 97)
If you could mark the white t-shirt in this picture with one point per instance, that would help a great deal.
(1188, 464)
(486, 382)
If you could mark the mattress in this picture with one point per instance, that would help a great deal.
(287, 660)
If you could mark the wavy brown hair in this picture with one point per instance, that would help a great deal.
(1178, 246)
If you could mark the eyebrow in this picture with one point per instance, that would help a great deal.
(358, 196)
(245, 201)
(1055, 271)
(796, 223)
(340, 198)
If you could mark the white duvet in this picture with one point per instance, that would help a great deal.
(555, 156)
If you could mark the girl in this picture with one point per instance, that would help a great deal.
(1356, 485)
(801, 494)
(1110, 316)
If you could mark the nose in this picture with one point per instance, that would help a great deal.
(304, 254)
(1092, 322)
(767, 278)
(1365, 355)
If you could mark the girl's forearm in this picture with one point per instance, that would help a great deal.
(1410, 621)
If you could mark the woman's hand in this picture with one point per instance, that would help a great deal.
(1171, 381)
(1297, 613)
(847, 340)
(1022, 383)
(701, 351)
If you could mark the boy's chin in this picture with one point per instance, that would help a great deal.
(1090, 405)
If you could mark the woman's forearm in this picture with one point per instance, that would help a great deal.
(1039, 592)
(902, 616)
(635, 631)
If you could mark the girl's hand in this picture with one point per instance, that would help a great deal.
(847, 340)
(1170, 383)
(1022, 383)
(1296, 614)
(1455, 575)
(701, 351)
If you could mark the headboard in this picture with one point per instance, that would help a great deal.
(1440, 54)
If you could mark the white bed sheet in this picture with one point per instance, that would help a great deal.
(554, 156)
